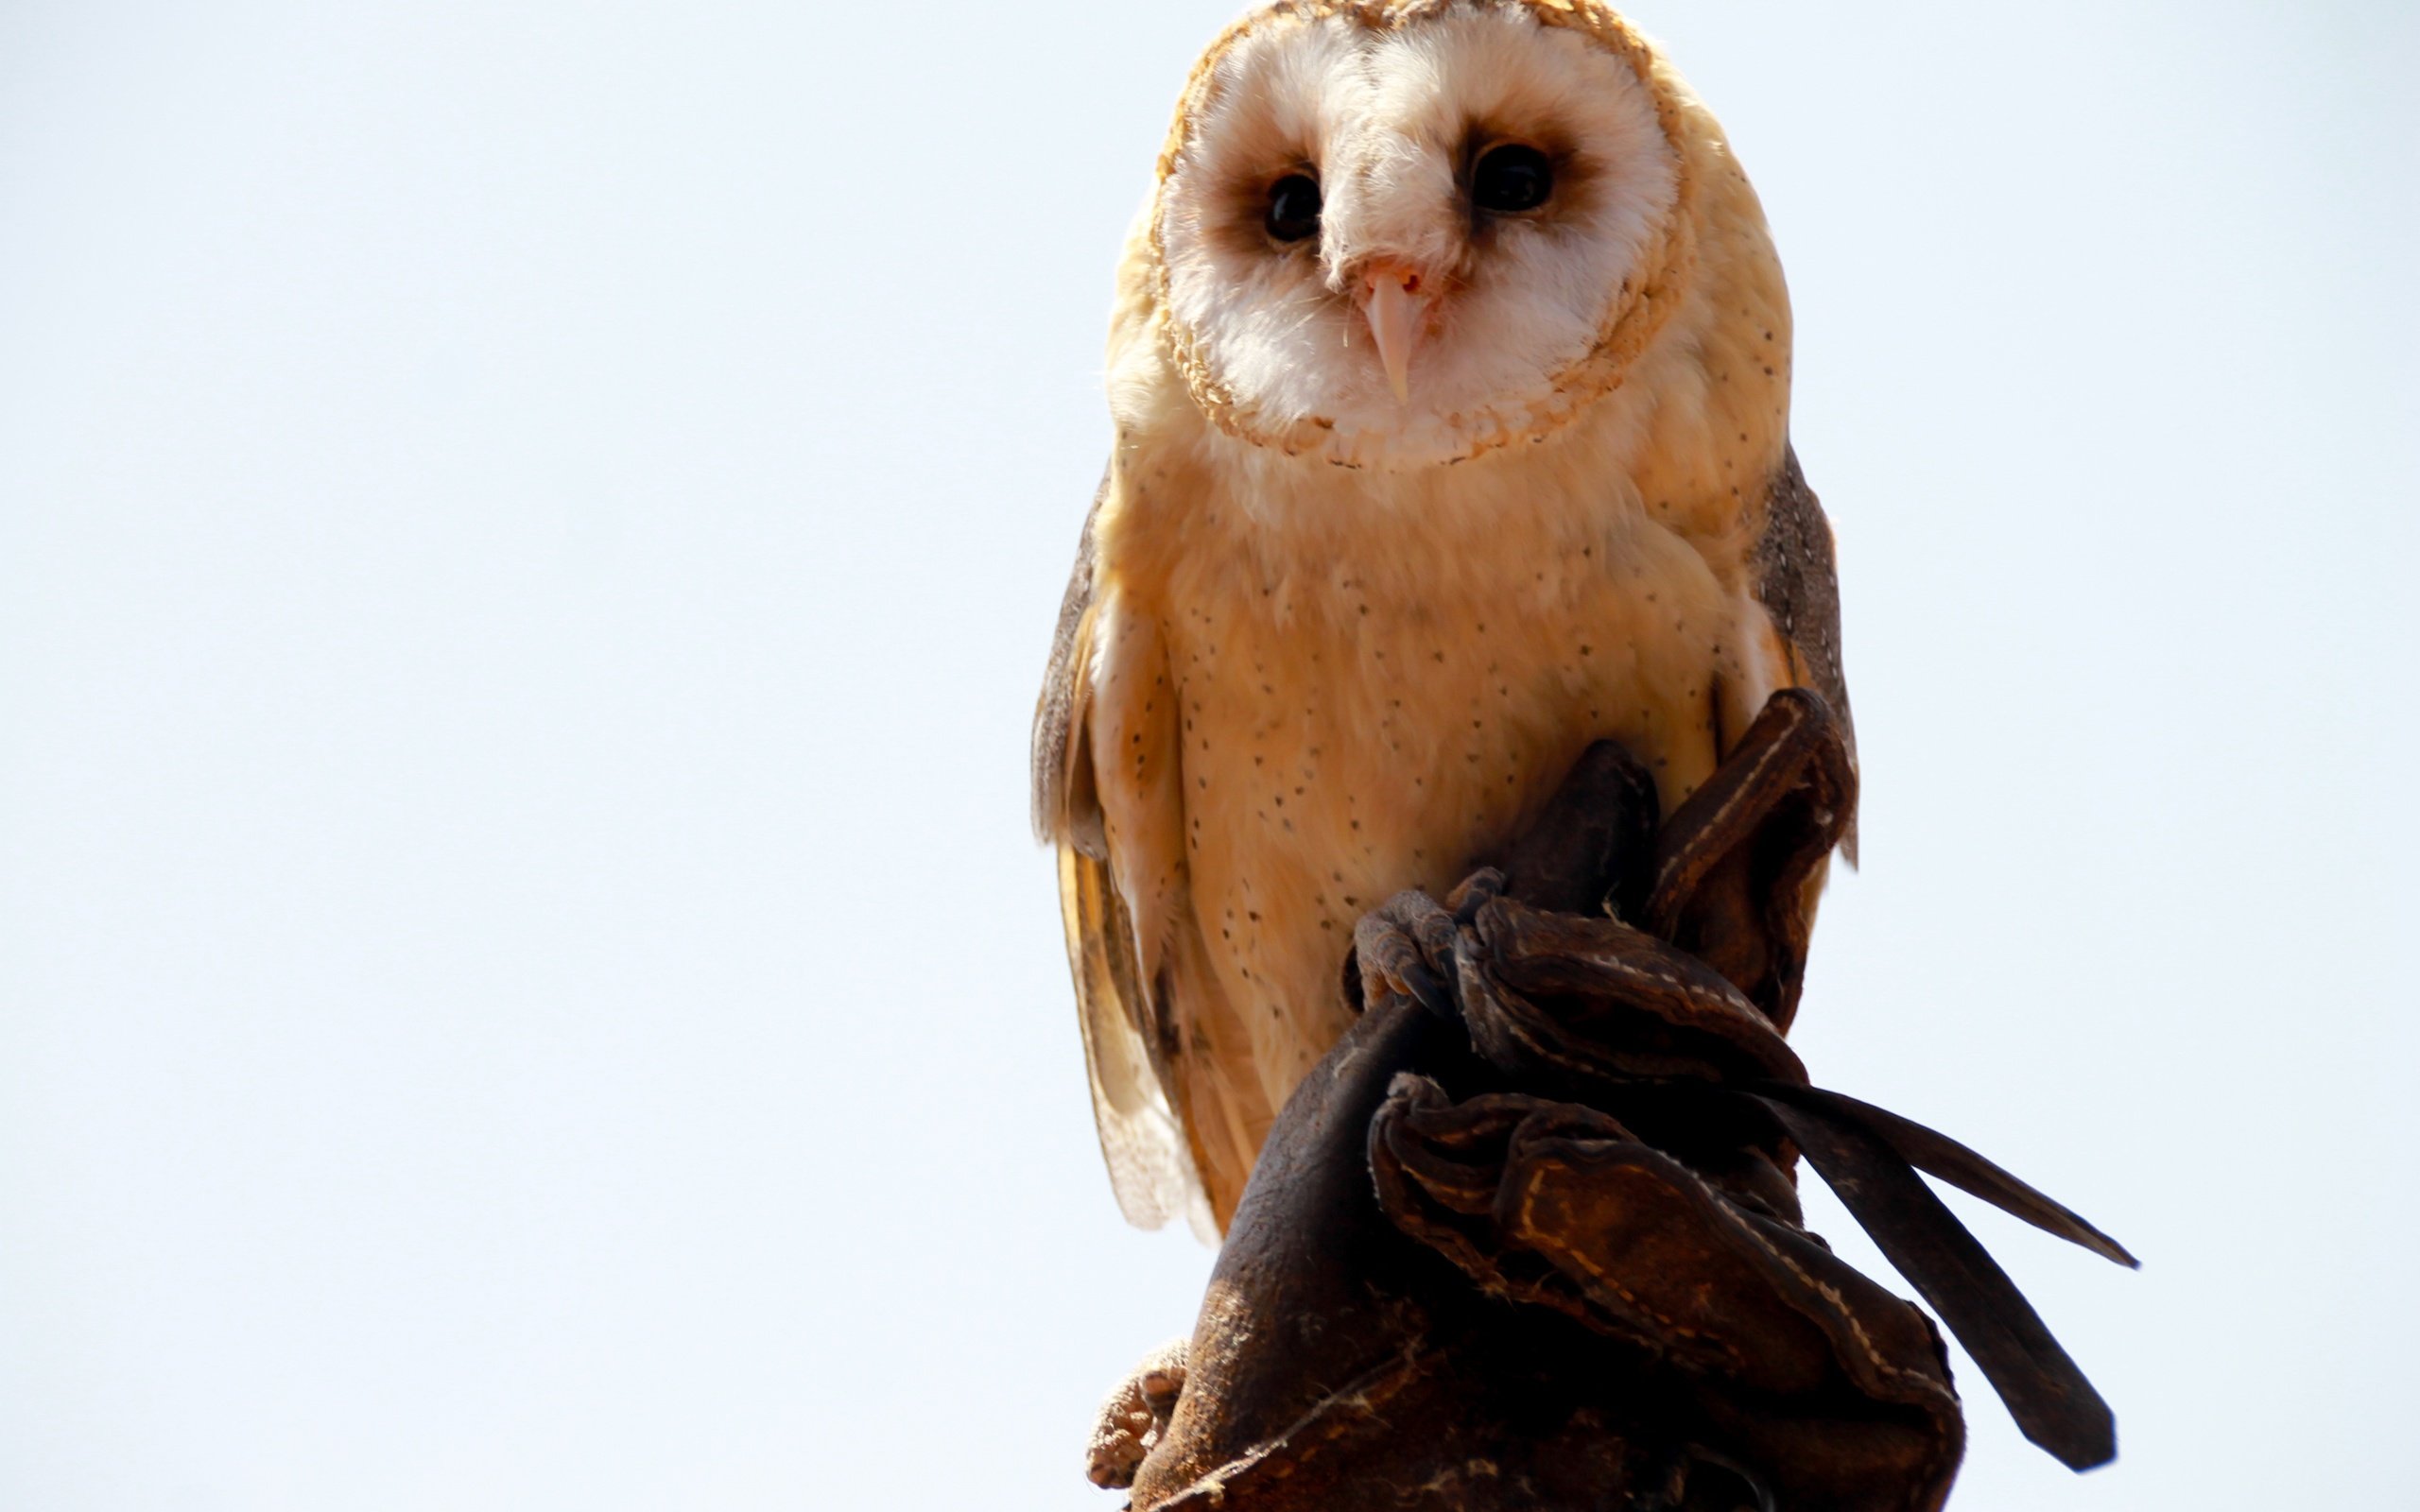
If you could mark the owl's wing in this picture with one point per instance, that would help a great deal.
(1142, 1139)
(1056, 804)
(1800, 589)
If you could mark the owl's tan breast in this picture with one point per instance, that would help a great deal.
(1382, 703)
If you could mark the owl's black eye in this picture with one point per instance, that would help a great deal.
(1293, 208)
(1512, 178)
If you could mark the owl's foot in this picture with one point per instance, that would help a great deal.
(1405, 948)
(1135, 1417)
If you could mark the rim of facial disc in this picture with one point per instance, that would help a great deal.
(1638, 311)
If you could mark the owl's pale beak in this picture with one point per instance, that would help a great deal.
(1396, 307)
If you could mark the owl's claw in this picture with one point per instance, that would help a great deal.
(1426, 989)
(1135, 1417)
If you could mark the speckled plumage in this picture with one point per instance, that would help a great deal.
(1322, 645)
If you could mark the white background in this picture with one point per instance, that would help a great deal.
(527, 538)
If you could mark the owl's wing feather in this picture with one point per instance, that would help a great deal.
(1151, 1167)
(1061, 809)
(1799, 585)
(1142, 1137)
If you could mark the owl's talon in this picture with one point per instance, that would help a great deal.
(1423, 987)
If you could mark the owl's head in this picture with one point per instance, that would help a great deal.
(1393, 234)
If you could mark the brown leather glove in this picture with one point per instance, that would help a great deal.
(1529, 1236)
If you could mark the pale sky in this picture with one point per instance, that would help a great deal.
(528, 538)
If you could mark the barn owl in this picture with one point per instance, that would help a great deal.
(1449, 369)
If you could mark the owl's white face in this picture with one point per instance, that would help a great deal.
(1396, 231)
